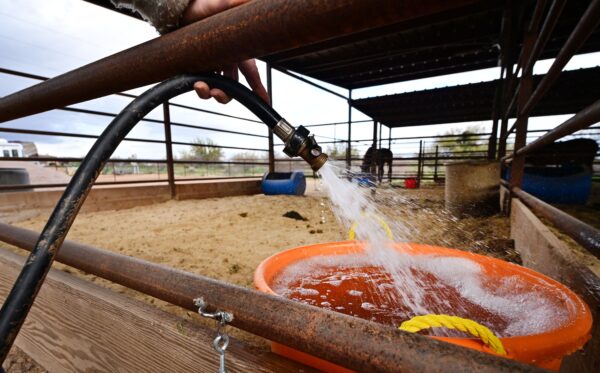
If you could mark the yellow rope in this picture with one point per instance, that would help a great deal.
(388, 231)
(418, 323)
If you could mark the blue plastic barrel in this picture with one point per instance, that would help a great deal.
(567, 184)
(290, 183)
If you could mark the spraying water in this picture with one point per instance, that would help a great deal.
(388, 286)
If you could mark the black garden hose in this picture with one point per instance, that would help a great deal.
(19, 301)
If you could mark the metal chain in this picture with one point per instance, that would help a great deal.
(221, 342)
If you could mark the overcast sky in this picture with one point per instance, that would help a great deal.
(52, 37)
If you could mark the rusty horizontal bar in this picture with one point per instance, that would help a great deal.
(102, 183)
(75, 159)
(582, 120)
(584, 234)
(68, 134)
(253, 29)
(349, 341)
(585, 118)
(39, 77)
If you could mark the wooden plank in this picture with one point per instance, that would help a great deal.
(543, 251)
(15, 206)
(76, 326)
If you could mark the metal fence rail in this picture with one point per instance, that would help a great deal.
(349, 341)
(526, 97)
(230, 167)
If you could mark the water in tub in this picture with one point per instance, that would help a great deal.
(387, 286)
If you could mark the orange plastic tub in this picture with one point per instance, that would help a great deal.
(545, 349)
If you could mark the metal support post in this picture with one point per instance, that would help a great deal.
(508, 56)
(270, 134)
(492, 142)
(374, 134)
(525, 87)
(419, 163)
(349, 144)
(435, 165)
(169, 148)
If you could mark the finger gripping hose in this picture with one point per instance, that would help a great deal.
(19, 301)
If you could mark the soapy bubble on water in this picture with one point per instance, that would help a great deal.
(526, 311)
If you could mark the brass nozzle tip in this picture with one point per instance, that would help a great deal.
(318, 162)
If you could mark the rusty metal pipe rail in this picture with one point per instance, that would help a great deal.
(540, 43)
(547, 28)
(585, 27)
(587, 24)
(349, 341)
(254, 29)
(129, 95)
(585, 118)
(585, 235)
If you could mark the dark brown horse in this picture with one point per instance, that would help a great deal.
(375, 159)
(577, 151)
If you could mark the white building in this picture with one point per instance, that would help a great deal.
(10, 149)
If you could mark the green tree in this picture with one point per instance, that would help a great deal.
(464, 141)
(250, 156)
(333, 151)
(203, 150)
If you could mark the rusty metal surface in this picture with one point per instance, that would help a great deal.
(345, 340)
(169, 148)
(585, 27)
(586, 235)
(128, 95)
(524, 91)
(581, 120)
(547, 28)
(251, 30)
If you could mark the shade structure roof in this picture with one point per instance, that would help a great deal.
(573, 91)
(464, 39)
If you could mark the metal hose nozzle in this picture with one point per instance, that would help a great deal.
(299, 142)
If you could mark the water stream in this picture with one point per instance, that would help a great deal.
(388, 286)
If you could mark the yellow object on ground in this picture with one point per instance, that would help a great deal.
(384, 225)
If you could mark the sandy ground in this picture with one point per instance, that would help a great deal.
(226, 238)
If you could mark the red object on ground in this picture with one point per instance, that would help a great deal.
(410, 183)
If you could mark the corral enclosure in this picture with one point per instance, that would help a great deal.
(195, 204)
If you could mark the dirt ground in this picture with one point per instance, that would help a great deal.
(226, 238)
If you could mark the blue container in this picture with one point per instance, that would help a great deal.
(290, 183)
(568, 185)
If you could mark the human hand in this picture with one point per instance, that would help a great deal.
(200, 9)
